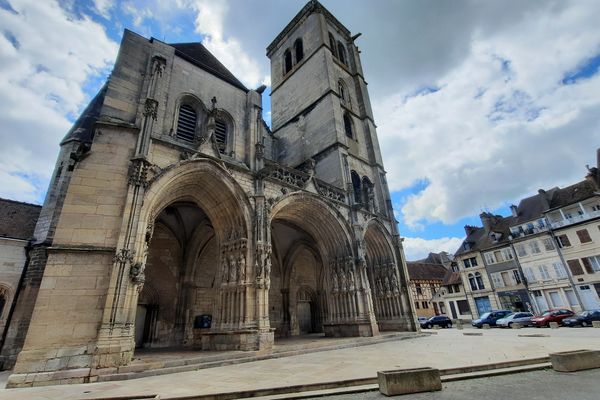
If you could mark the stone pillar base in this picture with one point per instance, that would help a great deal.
(403, 324)
(246, 340)
(351, 329)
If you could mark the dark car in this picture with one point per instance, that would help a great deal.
(555, 315)
(440, 320)
(584, 318)
(490, 318)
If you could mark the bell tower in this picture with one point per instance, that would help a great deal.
(320, 107)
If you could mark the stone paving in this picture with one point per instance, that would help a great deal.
(443, 349)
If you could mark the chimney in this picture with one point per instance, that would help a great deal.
(470, 229)
(513, 210)
(544, 198)
(486, 220)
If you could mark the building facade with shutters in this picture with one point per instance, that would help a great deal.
(177, 218)
(545, 255)
(425, 279)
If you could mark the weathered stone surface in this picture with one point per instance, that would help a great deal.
(393, 383)
(577, 360)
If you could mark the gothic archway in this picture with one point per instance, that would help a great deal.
(303, 223)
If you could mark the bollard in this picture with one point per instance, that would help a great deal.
(596, 324)
(553, 325)
(459, 325)
(515, 325)
(436, 327)
(486, 326)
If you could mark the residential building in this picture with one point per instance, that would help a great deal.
(425, 279)
(451, 296)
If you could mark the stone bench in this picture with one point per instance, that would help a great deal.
(404, 381)
(577, 360)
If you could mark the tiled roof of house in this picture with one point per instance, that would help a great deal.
(198, 55)
(451, 278)
(425, 271)
(17, 219)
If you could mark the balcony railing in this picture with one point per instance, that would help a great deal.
(575, 219)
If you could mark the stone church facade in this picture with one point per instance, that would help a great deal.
(177, 218)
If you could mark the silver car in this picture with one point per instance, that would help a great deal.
(523, 318)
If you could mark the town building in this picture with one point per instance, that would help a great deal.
(176, 217)
(425, 279)
(17, 222)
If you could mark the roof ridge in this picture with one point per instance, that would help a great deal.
(20, 202)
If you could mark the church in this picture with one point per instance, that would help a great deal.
(177, 218)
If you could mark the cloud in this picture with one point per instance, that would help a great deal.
(416, 248)
(209, 23)
(501, 123)
(46, 61)
(103, 7)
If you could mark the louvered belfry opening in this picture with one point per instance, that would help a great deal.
(221, 135)
(186, 123)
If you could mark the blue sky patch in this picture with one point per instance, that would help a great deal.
(586, 70)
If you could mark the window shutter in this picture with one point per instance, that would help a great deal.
(575, 267)
(221, 135)
(587, 265)
(186, 123)
(584, 236)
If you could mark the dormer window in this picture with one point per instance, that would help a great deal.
(186, 123)
(299, 50)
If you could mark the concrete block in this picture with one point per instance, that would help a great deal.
(577, 360)
(404, 381)
(596, 324)
(554, 325)
(486, 326)
(472, 334)
(516, 325)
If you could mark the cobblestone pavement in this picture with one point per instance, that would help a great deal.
(444, 349)
(536, 385)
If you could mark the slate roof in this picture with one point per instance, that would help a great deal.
(83, 129)
(451, 278)
(425, 271)
(198, 55)
(17, 219)
(572, 194)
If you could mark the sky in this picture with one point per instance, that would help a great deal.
(478, 103)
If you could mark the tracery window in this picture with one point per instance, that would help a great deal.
(356, 187)
(332, 45)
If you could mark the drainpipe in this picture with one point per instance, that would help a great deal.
(13, 304)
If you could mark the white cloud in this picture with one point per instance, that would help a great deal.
(501, 124)
(103, 7)
(416, 248)
(47, 57)
(209, 23)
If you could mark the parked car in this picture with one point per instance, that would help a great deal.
(440, 320)
(554, 315)
(523, 318)
(490, 318)
(584, 318)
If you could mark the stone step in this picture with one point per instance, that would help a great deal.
(370, 384)
(154, 368)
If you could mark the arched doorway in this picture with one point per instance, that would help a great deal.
(180, 277)
(318, 285)
(385, 279)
